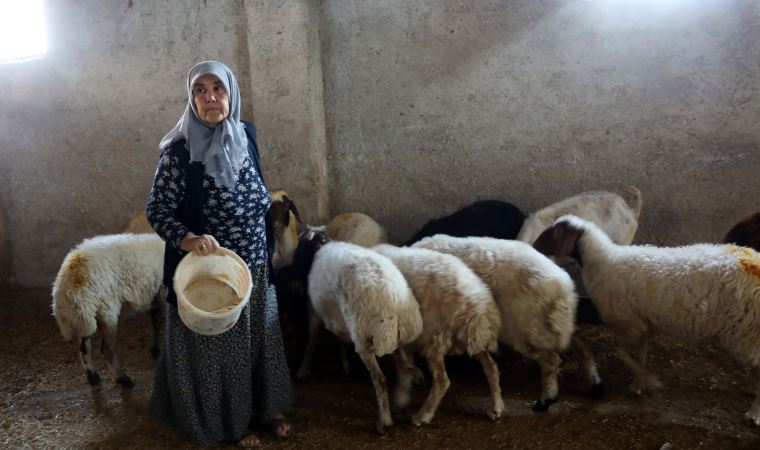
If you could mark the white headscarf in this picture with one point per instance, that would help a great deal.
(221, 148)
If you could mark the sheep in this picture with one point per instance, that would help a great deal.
(487, 218)
(285, 219)
(97, 279)
(746, 233)
(296, 314)
(362, 298)
(138, 224)
(703, 292)
(459, 315)
(536, 299)
(610, 211)
(356, 228)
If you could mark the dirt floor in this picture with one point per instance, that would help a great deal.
(45, 401)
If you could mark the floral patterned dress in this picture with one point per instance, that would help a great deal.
(214, 387)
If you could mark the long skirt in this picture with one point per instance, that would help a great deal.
(214, 387)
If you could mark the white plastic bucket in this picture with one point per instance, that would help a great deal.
(212, 290)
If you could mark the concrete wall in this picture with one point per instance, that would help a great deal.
(80, 128)
(286, 74)
(433, 104)
(403, 110)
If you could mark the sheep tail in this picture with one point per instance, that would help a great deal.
(560, 318)
(70, 282)
(381, 337)
(481, 332)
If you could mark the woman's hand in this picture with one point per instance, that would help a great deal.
(200, 245)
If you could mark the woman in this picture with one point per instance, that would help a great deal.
(208, 192)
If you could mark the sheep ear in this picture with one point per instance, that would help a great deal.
(545, 242)
(280, 213)
(291, 207)
(311, 232)
(566, 237)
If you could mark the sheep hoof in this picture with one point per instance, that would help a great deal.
(597, 391)
(649, 384)
(93, 378)
(653, 383)
(498, 408)
(154, 351)
(380, 426)
(125, 382)
(543, 405)
(419, 419)
(753, 417)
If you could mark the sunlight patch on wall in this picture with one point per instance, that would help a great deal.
(22, 30)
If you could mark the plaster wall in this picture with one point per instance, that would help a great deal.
(402, 110)
(431, 105)
(79, 129)
(286, 77)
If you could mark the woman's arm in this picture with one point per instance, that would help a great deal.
(164, 199)
(166, 194)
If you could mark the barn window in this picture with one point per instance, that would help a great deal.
(22, 30)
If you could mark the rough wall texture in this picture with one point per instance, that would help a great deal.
(80, 128)
(286, 76)
(403, 110)
(433, 104)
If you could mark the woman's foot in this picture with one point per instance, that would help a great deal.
(249, 441)
(280, 426)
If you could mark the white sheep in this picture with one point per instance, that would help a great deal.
(356, 228)
(608, 210)
(698, 293)
(97, 279)
(362, 298)
(536, 299)
(459, 316)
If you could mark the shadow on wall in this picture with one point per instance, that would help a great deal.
(398, 78)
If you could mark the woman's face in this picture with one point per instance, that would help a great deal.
(211, 100)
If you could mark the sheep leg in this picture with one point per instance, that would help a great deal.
(589, 367)
(441, 383)
(108, 347)
(492, 374)
(754, 412)
(416, 372)
(344, 368)
(85, 355)
(381, 390)
(643, 381)
(643, 352)
(405, 376)
(315, 323)
(155, 319)
(549, 363)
